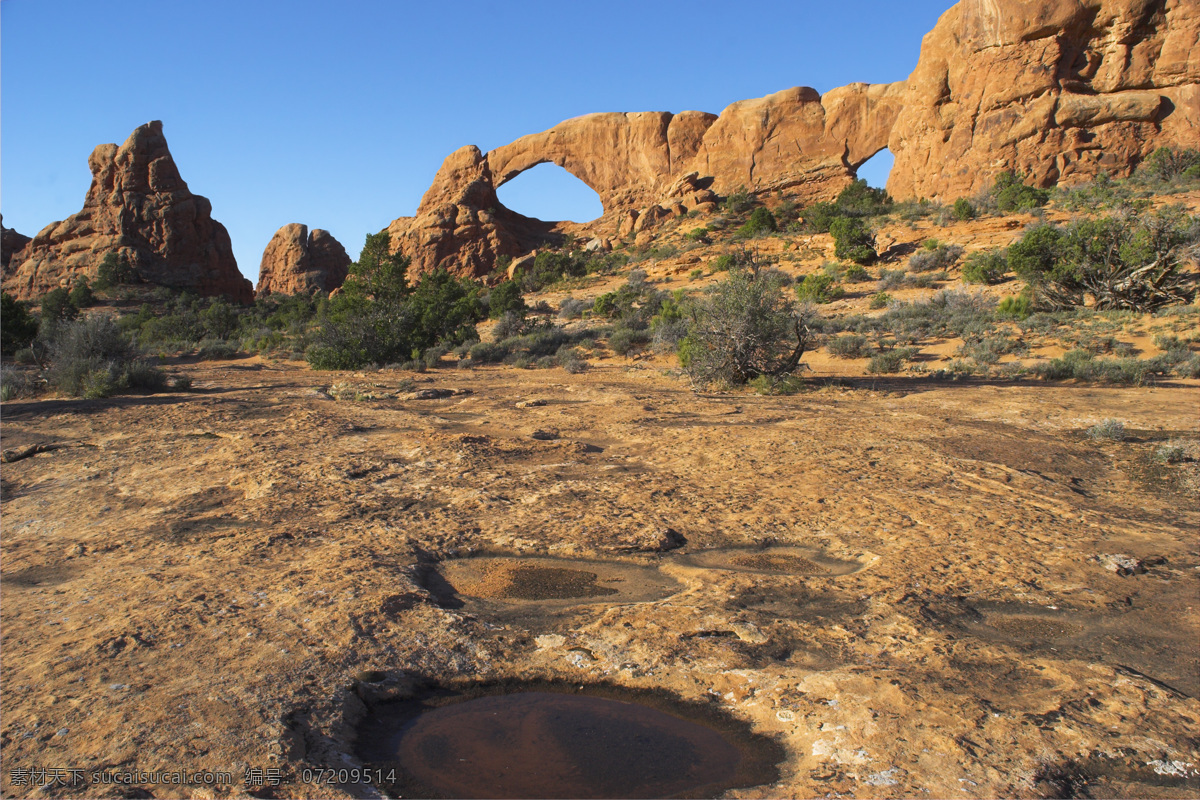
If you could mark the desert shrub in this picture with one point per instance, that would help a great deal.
(56, 305)
(745, 327)
(859, 199)
(81, 295)
(220, 320)
(819, 216)
(890, 361)
(114, 270)
(984, 266)
(852, 240)
(934, 256)
(963, 210)
(723, 262)
(1017, 307)
(216, 350)
(14, 383)
(570, 359)
(761, 221)
(849, 346)
(624, 340)
(697, 235)
(92, 357)
(879, 300)
(572, 308)
(1123, 261)
(488, 352)
(739, 202)
(1170, 453)
(1082, 365)
(511, 324)
(989, 349)
(445, 308)
(1167, 164)
(181, 383)
(818, 288)
(1108, 430)
(505, 298)
(377, 318)
(854, 273)
(1010, 193)
(17, 325)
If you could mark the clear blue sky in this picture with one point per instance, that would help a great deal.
(338, 114)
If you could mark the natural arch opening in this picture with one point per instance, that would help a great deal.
(548, 192)
(875, 170)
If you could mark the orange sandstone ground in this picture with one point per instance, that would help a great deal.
(199, 581)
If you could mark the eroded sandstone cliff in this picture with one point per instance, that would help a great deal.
(137, 206)
(1058, 89)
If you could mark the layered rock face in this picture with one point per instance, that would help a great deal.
(137, 206)
(1058, 89)
(298, 262)
(11, 243)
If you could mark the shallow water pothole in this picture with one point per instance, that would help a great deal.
(555, 740)
(800, 561)
(553, 582)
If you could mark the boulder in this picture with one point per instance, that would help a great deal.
(1060, 90)
(298, 262)
(137, 206)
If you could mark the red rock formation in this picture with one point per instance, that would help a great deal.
(461, 224)
(140, 207)
(647, 167)
(11, 243)
(298, 262)
(1058, 89)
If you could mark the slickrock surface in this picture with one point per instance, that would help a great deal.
(200, 587)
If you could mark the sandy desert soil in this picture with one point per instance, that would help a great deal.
(908, 584)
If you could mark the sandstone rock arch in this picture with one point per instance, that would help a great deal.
(1058, 89)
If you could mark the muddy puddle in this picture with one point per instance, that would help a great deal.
(798, 561)
(549, 583)
(552, 740)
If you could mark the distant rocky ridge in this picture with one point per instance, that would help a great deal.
(1060, 90)
(11, 243)
(137, 206)
(298, 262)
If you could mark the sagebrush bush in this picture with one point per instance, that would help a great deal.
(890, 361)
(572, 308)
(879, 300)
(1109, 430)
(623, 341)
(849, 346)
(938, 257)
(92, 357)
(745, 327)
